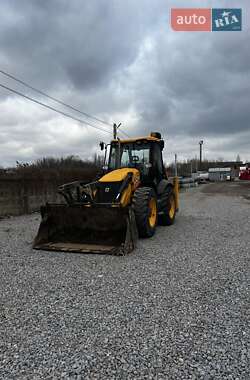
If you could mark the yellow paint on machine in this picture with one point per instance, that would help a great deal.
(130, 140)
(176, 192)
(119, 175)
(126, 196)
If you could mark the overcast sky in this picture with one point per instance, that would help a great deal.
(120, 61)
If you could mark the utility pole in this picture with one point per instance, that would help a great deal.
(201, 143)
(175, 165)
(115, 128)
(114, 131)
(196, 164)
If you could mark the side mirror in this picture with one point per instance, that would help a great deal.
(102, 145)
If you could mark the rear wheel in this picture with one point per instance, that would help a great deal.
(167, 216)
(145, 208)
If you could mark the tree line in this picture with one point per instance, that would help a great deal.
(73, 167)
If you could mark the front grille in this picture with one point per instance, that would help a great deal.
(107, 191)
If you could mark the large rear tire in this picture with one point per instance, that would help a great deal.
(167, 216)
(145, 209)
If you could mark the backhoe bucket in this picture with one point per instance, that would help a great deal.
(77, 228)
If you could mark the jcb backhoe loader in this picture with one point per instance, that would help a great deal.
(106, 216)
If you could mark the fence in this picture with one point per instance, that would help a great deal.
(23, 195)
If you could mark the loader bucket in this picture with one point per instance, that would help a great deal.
(77, 228)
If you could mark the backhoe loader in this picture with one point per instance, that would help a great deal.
(108, 215)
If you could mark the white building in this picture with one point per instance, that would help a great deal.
(219, 174)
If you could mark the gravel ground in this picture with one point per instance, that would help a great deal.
(177, 308)
(236, 188)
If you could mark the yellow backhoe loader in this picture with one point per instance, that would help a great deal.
(106, 216)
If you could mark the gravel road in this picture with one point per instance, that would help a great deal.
(176, 308)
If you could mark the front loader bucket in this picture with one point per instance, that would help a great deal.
(77, 228)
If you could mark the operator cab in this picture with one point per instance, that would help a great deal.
(144, 154)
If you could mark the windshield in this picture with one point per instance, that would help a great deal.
(134, 155)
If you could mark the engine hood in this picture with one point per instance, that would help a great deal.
(119, 175)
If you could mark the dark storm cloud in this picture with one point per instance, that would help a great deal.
(202, 85)
(119, 60)
(83, 43)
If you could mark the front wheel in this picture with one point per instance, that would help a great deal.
(167, 216)
(145, 208)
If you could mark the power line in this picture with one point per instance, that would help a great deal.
(58, 101)
(125, 134)
(52, 98)
(53, 109)
(115, 129)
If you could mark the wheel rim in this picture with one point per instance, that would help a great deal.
(172, 208)
(152, 212)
